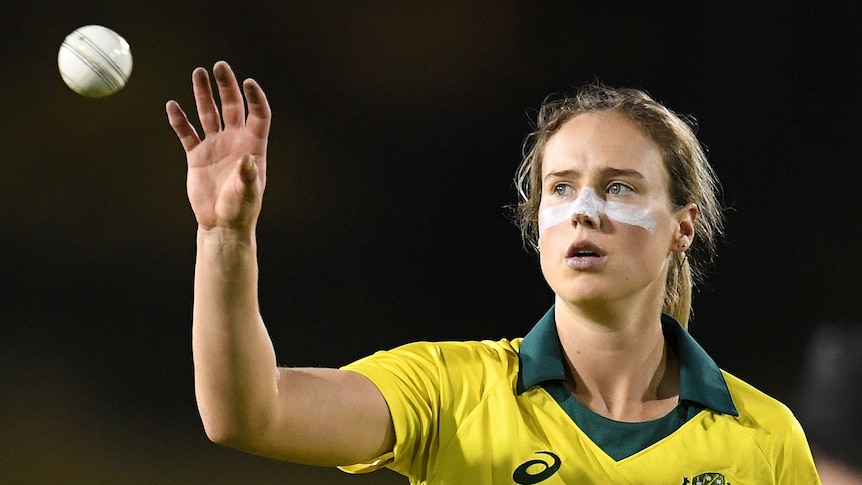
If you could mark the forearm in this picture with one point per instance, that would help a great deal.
(322, 416)
(235, 366)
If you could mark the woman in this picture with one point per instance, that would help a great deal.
(620, 203)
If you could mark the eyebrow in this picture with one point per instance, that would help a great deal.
(605, 172)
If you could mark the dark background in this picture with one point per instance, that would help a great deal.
(397, 129)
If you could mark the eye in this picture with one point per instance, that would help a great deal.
(619, 188)
(562, 190)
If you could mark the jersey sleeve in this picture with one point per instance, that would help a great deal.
(778, 433)
(795, 465)
(409, 379)
(429, 388)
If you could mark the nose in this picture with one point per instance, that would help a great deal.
(593, 221)
(587, 209)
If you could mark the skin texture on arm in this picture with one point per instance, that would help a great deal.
(313, 416)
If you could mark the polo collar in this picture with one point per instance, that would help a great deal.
(700, 379)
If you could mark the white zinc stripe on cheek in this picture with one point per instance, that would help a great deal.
(555, 215)
(589, 204)
(634, 216)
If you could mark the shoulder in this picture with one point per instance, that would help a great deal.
(755, 406)
(775, 429)
(767, 420)
(499, 356)
(442, 374)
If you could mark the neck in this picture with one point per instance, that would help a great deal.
(619, 365)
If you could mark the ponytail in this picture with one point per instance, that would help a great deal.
(678, 289)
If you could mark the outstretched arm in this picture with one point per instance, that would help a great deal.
(315, 416)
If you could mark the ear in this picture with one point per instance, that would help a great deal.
(684, 232)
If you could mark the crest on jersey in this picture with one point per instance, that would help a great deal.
(709, 478)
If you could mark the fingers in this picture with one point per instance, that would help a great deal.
(232, 107)
(180, 123)
(207, 110)
(259, 114)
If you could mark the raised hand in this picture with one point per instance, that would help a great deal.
(227, 167)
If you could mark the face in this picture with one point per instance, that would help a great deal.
(606, 225)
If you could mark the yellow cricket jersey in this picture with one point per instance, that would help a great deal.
(498, 413)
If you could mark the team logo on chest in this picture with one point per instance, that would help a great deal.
(709, 478)
(537, 470)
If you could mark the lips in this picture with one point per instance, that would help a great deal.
(584, 255)
(584, 249)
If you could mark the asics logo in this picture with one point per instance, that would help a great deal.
(537, 470)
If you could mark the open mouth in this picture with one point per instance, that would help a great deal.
(584, 249)
(585, 254)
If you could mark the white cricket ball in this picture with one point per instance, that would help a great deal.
(95, 61)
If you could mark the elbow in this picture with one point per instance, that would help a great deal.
(218, 435)
(233, 433)
(222, 432)
(243, 437)
(241, 424)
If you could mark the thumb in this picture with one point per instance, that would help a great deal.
(247, 168)
(247, 178)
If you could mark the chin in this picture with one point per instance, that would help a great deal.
(590, 296)
(572, 286)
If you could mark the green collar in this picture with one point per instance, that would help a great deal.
(700, 379)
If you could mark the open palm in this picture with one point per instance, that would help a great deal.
(227, 167)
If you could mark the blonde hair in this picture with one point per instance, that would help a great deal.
(690, 177)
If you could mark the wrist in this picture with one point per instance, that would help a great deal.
(225, 237)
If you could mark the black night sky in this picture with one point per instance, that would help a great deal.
(397, 130)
